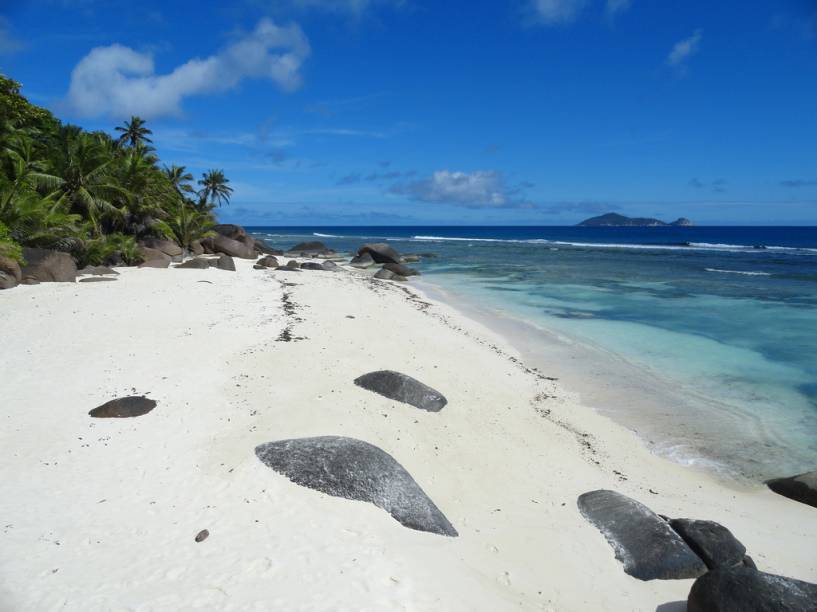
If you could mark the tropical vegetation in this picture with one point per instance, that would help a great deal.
(92, 194)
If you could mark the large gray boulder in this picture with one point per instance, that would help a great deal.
(353, 469)
(329, 266)
(228, 246)
(8, 281)
(197, 263)
(362, 261)
(312, 265)
(155, 263)
(196, 248)
(224, 262)
(643, 541)
(47, 266)
(403, 388)
(380, 252)
(168, 247)
(742, 589)
(711, 541)
(11, 268)
(231, 231)
(124, 407)
(400, 269)
(149, 254)
(802, 488)
(383, 274)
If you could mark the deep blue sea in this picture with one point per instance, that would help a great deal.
(712, 331)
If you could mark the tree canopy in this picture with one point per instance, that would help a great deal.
(90, 193)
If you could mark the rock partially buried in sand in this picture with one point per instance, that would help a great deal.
(643, 541)
(197, 263)
(96, 279)
(353, 469)
(155, 263)
(403, 388)
(224, 262)
(802, 488)
(362, 261)
(742, 589)
(384, 274)
(48, 266)
(202, 535)
(711, 541)
(124, 407)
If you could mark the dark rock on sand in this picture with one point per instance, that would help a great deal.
(224, 262)
(802, 488)
(312, 246)
(8, 281)
(96, 279)
(362, 261)
(380, 252)
(711, 541)
(742, 589)
(403, 388)
(267, 262)
(196, 248)
(384, 274)
(197, 263)
(329, 266)
(124, 407)
(202, 535)
(643, 542)
(155, 263)
(311, 265)
(400, 269)
(48, 266)
(353, 469)
(11, 268)
(293, 265)
(168, 247)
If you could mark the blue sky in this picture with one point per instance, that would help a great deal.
(356, 112)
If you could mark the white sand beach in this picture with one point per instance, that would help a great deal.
(101, 514)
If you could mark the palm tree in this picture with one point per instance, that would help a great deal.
(180, 178)
(214, 189)
(187, 224)
(134, 132)
(87, 185)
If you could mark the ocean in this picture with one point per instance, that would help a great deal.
(701, 339)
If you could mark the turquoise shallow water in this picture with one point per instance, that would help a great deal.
(711, 331)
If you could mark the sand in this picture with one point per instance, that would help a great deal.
(102, 514)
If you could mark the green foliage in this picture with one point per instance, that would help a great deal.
(89, 193)
(8, 246)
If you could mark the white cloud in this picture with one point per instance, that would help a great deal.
(480, 189)
(685, 49)
(554, 12)
(118, 81)
(614, 7)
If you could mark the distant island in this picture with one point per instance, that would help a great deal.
(616, 220)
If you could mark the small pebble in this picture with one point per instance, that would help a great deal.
(202, 535)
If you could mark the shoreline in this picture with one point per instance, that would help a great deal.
(505, 460)
(634, 396)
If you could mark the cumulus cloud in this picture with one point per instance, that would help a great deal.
(480, 189)
(684, 49)
(554, 12)
(118, 81)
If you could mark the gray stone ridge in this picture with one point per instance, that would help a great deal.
(403, 388)
(354, 469)
(644, 542)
